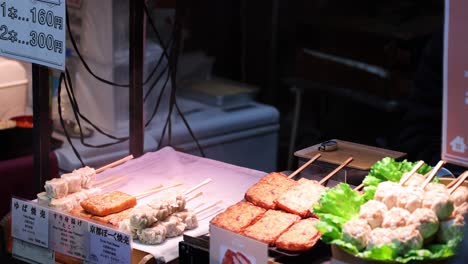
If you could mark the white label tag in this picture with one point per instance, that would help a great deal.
(33, 31)
(68, 235)
(31, 253)
(229, 247)
(30, 222)
(107, 245)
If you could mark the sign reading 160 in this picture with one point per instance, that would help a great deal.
(45, 41)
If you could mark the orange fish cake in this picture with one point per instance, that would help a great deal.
(300, 198)
(299, 237)
(238, 216)
(108, 203)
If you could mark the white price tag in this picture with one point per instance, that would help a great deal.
(108, 245)
(33, 31)
(30, 222)
(68, 235)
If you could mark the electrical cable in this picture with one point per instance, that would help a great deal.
(62, 122)
(153, 26)
(76, 112)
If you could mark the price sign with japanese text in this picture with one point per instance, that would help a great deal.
(33, 31)
(68, 235)
(30, 222)
(107, 245)
(455, 99)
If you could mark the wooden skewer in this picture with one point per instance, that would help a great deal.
(433, 173)
(459, 182)
(195, 196)
(326, 178)
(113, 181)
(452, 183)
(359, 187)
(304, 166)
(207, 207)
(115, 163)
(416, 167)
(157, 189)
(96, 183)
(197, 186)
(210, 215)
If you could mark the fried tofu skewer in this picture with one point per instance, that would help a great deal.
(292, 175)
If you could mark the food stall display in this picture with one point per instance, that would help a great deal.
(391, 221)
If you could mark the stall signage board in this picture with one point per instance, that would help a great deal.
(30, 222)
(107, 245)
(68, 235)
(33, 31)
(229, 247)
(455, 99)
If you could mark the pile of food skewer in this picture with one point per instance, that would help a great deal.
(409, 219)
(277, 210)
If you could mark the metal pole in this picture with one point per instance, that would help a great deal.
(41, 125)
(137, 133)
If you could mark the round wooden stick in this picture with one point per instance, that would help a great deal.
(433, 173)
(305, 165)
(326, 178)
(411, 172)
(207, 207)
(115, 163)
(359, 187)
(211, 214)
(459, 182)
(197, 186)
(194, 196)
(96, 183)
(113, 181)
(157, 189)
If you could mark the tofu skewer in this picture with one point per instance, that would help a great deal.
(300, 198)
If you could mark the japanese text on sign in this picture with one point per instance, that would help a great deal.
(108, 245)
(68, 235)
(30, 222)
(33, 31)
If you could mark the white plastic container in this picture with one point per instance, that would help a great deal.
(13, 88)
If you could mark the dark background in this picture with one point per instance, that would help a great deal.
(262, 43)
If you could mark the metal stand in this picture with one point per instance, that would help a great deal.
(137, 133)
(42, 127)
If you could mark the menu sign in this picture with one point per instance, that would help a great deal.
(33, 31)
(455, 111)
(108, 245)
(68, 235)
(30, 222)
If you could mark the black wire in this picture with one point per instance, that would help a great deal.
(85, 64)
(59, 103)
(155, 110)
(153, 26)
(76, 108)
(76, 112)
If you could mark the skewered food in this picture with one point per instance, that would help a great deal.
(356, 232)
(265, 192)
(459, 196)
(410, 198)
(449, 228)
(373, 212)
(461, 210)
(238, 216)
(425, 221)
(416, 179)
(270, 226)
(56, 188)
(124, 226)
(66, 203)
(395, 217)
(435, 187)
(380, 236)
(189, 218)
(114, 219)
(153, 235)
(299, 237)
(301, 197)
(88, 176)
(407, 238)
(43, 199)
(439, 202)
(108, 203)
(74, 182)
